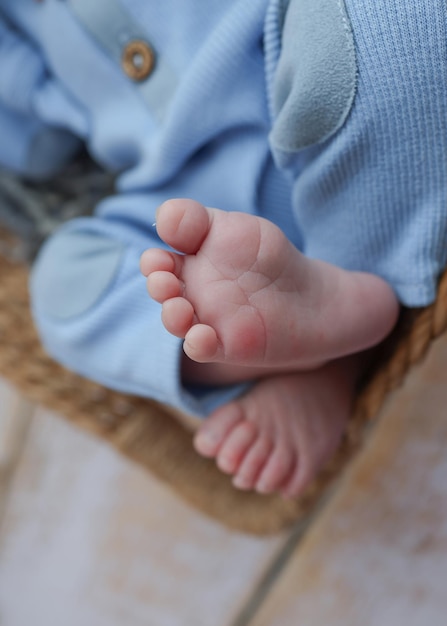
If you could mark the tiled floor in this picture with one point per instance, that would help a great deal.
(87, 539)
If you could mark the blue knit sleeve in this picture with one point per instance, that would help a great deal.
(370, 194)
(29, 146)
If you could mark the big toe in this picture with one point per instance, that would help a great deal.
(183, 224)
(214, 431)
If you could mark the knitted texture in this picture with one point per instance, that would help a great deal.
(372, 197)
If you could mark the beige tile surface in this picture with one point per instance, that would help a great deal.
(15, 414)
(90, 540)
(378, 555)
(10, 402)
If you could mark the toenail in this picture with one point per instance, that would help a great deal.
(206, 440)
(240, 483)
(263, 487)
(225, 462)
(207, 437)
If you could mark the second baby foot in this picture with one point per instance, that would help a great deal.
(239, 292)
(283, 431)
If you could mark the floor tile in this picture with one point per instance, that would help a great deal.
(9, 404)
(89, 539)
(15, 415)
(378, 554)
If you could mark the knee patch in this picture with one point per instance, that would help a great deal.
(315, 80)
(73, 271)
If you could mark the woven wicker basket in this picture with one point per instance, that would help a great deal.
(150, 435)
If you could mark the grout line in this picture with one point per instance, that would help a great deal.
(276, 566)
(274, 570)
(17, 438)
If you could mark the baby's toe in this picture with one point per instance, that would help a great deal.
(183, 224)
(201, 343)
(235, 446)
(156, 260)
(177, 316)
(276, 470)
(163, 286)
(253, 463)
(216, 428)
(300, 478)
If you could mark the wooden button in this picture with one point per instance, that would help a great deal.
(138, 60)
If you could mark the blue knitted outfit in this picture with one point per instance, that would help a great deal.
(327, 117)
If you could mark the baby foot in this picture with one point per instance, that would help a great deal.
(239, 292)
(282, 432)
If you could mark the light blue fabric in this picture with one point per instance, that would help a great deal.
(23, 71)
(30, 147)
(371, 196)
(60, 274)
(113, 28)
(314, 85)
